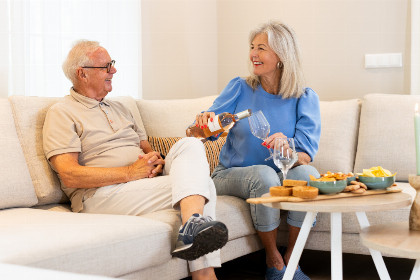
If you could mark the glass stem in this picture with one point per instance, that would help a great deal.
(284, 174)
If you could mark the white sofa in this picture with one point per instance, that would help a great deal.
(37, 229)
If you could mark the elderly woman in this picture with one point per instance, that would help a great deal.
(276, 87)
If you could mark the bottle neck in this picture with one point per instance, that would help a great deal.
(243, 114)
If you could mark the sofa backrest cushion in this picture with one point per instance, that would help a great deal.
(339, 131)
(170, 118)
(29, 113)
(16, 188)
(386, 134)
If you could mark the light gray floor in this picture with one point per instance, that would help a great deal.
(316, 264)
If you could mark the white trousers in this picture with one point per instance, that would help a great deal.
(186, 172)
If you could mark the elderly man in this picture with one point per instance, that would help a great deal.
(106, 165)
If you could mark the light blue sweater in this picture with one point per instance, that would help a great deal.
(294, 117)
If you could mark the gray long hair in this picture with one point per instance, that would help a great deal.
(78, 56)
(282, 40)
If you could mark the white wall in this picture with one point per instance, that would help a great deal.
(334, 36)
(193, 48)
(179, 48)
(4, 49)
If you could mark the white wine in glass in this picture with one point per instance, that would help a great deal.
(260, 127)
(284, 154)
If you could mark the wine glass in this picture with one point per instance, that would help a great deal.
(284, 154)
(260, 127)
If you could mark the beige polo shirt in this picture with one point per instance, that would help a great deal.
(103, 133)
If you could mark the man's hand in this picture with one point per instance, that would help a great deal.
(149, 165)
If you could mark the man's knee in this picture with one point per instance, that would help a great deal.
(189, 144)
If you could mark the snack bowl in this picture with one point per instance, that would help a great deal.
(377, 183)
(329, 187)
(349, 179)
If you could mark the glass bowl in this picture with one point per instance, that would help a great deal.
(377, 183)
(329, 187)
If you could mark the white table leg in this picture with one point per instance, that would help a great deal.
(376, 255)
(415, 275)
(300, 244)
(336, 247)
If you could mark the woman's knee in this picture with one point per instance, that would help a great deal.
(263, 174)
(302, 172)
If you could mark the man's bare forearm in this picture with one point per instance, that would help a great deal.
(74, 175)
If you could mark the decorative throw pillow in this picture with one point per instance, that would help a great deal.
(164, 144)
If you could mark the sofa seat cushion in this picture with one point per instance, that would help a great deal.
(11, 271)
(108, 245)
(232, 211)
(16, 189)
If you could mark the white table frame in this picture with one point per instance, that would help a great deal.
(395, 239)
(336, 246)
(336, 231)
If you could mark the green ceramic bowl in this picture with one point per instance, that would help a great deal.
(329, 187)
(376, 183)
(349, 179)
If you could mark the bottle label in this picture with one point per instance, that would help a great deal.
(214, 125)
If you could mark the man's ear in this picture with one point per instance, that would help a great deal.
(81, 74)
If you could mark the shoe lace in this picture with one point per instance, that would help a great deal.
(194, 222)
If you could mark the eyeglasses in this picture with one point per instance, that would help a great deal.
(107, 67)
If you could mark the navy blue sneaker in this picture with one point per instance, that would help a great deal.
(200, 236)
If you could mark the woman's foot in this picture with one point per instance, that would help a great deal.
(299, 275)
(273, 273)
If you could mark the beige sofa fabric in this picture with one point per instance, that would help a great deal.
(10, 271)
(29, 113)
(109, 245)
(339, 131)
(386, 134)
(16, 189)
(177, 115)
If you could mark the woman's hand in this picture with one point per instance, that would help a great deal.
(303, 159)
(269, 142)
(201, 120)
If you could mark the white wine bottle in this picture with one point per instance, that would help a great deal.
(221, 123)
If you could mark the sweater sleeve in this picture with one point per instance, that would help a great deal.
(308, 125)
(226, 101)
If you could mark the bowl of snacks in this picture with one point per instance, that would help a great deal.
(339, 176)
(377, 178)
(328, 185)
(350, 177)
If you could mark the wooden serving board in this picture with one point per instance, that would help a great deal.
(269, 199)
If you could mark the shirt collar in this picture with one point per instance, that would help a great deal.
(86, 101)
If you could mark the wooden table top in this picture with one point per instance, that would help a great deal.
(377, 202)
(394, 239)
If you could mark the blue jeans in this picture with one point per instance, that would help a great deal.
(254, 181)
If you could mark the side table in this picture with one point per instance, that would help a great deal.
(394, 239)
(359, 205)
